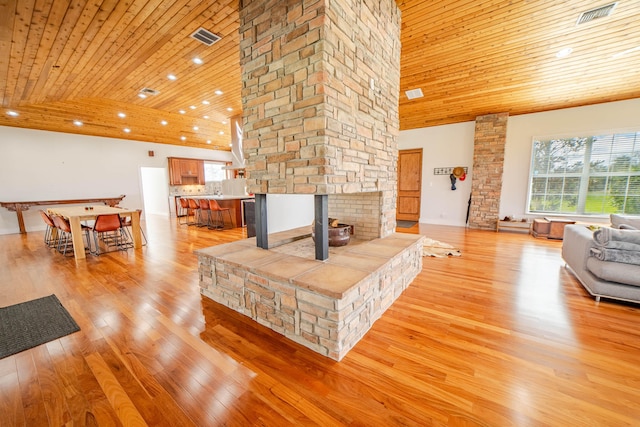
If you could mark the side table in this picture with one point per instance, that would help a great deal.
(541, 228)
(556, 229)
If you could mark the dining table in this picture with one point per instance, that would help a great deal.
(77, 214)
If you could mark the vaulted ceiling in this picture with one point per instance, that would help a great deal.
(63, 61)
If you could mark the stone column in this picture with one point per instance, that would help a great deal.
(321, 81)
(488, 166)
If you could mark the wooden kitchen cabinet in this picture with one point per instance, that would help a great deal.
(186, 171)
(175, 175)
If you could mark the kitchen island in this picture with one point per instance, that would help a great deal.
(233, 202)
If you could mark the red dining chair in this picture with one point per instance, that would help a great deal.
(49, 239)
(127, 223)
(215, 208)
(65, 239)
(108, 230)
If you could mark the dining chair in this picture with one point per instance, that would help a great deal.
(65, 239)
(108, 230)
(215, 208)
(126, 225)
(49, 238)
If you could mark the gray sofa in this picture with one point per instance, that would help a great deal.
(607, 279)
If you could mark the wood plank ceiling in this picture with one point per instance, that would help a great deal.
(67, 60)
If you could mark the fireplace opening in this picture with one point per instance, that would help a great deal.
(361, 212)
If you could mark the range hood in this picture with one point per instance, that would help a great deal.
(237, 155)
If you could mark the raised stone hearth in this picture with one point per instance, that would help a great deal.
(327, 306)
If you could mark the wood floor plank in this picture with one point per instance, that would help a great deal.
(11, 403)
(503, 335)
(125, 409)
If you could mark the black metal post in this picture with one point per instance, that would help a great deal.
(321, 226)
(262, 240)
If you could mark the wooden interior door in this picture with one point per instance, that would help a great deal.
(409, 184)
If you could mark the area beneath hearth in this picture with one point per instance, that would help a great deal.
(326, 306)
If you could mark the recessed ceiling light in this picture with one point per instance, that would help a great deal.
(221, 132)
(196, 128)
(184, 138)
(12, 113)
(205, 102)
(563, 53)
(197, 60)
(218, 92)
(122, 115)
(172, 77)
(414, 93)
(181, 111)
(77, 123)
(224, 122)
(126, 130)
(230, 145)
(141, 95)
(208, 141)
(229, 109)
(164, 122)
(193, 107)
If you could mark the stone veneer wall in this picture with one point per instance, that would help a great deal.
(327, 324)
(359, 210)
(321, 82)
(488, 165)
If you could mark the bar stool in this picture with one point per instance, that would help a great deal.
(184, 210)
(204, 209)
(214, 207)
(195, 208)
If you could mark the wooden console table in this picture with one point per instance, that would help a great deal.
(18, 207)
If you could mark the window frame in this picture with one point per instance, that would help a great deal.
(586, 173)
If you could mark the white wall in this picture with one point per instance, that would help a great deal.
(443, 146)
(452, 145)
(42, 165)
(287, 211)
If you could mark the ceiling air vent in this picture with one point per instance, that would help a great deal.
(205, 36)
(149, 91)
(599, 12)
(414, 93)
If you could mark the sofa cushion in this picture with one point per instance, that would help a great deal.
(619, 221)
(627, 274)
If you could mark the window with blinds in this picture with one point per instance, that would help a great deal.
(591, 175)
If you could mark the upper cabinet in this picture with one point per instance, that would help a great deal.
(186, 171)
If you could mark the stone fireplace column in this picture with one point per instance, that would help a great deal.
(321, 81)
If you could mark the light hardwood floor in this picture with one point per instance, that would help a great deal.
(501, 336)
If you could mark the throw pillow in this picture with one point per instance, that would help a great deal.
(617, 220)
